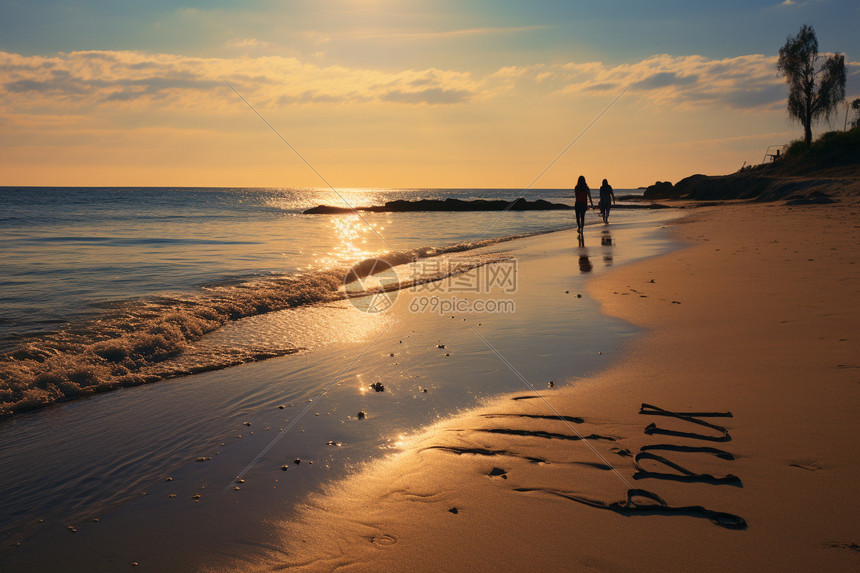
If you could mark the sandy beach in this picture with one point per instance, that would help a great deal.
(752, 341)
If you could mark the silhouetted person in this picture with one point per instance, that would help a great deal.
(582, 196)
(607, 199)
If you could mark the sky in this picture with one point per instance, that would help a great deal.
(399, 93)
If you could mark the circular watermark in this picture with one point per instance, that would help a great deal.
(371, 285)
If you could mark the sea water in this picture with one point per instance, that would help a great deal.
(69, 253)
(99, 286)
(82, 259)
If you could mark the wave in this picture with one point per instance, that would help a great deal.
(142, 341)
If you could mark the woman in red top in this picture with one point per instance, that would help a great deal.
(581, 194)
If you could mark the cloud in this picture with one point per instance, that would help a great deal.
(80, 80)
(743, 82)
(136, 78)
(664, 79)
(429, 96)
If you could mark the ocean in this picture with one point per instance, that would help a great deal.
(123, 285)
(99, 286)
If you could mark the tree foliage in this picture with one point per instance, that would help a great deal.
(815, 87)
(855, 106)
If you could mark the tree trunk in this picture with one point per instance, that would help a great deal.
(807, 133)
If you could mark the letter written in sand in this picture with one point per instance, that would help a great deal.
(705, 431)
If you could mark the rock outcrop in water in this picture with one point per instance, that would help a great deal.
(451, 205)
(403, 206)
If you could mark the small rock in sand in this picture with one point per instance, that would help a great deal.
(454, 510)
(285, 467)
(440, 346)
(362, 415)
(578, 296)
(378, 386)
(281, 407)
(247, 423)
(551, 384)
(297, 461)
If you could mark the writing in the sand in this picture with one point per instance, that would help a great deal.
(651, 465)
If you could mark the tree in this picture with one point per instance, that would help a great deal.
(855, 105)
(814, 90)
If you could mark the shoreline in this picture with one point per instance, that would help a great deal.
(730, 328)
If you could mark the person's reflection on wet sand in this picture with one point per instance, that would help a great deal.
(584, 264)
(606, 241)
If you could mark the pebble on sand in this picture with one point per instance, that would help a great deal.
(362, 415)
(285, 467)
(440, 346)
(378, 386)
(454, 510)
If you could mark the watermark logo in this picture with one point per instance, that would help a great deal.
(371, 286)
(443, 286)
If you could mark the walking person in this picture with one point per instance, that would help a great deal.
(607, 199)
(582, 196)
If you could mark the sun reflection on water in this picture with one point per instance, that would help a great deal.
(353, 239)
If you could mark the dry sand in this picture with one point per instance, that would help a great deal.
(758, 317)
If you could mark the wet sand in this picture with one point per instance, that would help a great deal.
(725, 439)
